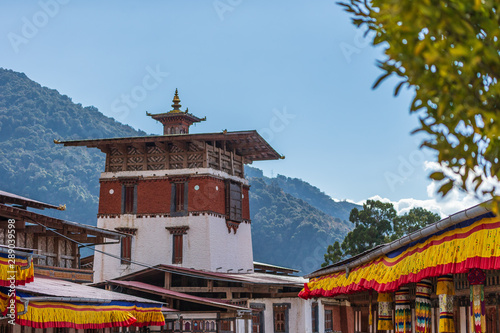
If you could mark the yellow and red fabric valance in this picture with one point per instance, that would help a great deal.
(474, 243)
(79, 315)
(14, 271)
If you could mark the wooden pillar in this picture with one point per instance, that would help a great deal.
(463, 319)
(220, 159)
(185, 156)
(57, 251)
(232, 163)
(467, 319)
(167, 280)
(145, 161)
(167, 156)
(36, 246)
(125, 159)
(76, 254)
(435, 328)
(205, 155)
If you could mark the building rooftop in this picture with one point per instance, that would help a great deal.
(252, 278)
(248, 144)
(273, 269)
(7, 198)
(148, 288)
(31, 220)
(49, 287)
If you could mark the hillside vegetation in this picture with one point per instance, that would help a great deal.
(31, 117)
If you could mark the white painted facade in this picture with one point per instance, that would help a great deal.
(299, 313)
(207, 245)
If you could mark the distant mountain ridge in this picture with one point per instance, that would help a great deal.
(307, 192)
(293, 222)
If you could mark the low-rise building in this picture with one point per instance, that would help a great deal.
(442, 278)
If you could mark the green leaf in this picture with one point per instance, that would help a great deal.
(444, 189)
(438, 175)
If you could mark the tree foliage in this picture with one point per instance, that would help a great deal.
(372, 226)
(333, 254)
(377, 223)
(448, 53)
(415, 219)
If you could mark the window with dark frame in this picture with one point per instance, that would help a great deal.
(279, 320)
(314, 317)
(126, 245)
(233, 201)
(179, 200)
(257, 317)
(280, 314)
(179, 197)
(177, 250)
(129, 200)
(126, 250)
(177, 242)
(328, 320)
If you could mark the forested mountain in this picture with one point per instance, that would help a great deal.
(287, 231)
(31, 117)
(307, 192)
(292, 221)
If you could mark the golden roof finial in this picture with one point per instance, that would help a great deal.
(176, 101)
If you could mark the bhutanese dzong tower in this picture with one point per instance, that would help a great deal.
(182, 197)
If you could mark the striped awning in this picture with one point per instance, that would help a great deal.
(473, 243)
(81, 315)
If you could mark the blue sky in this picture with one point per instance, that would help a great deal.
(297, 71)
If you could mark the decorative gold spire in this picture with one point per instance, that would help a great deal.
(176, 106)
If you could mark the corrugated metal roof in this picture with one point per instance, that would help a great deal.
(141, 286)
(263, 278)
(59, 288)
(255, 278)
(273, 267)
(51, 222)
(11, 198)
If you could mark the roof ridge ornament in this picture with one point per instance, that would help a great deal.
(176, 106)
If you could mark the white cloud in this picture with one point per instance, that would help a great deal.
(443, 207)
(456, 200)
